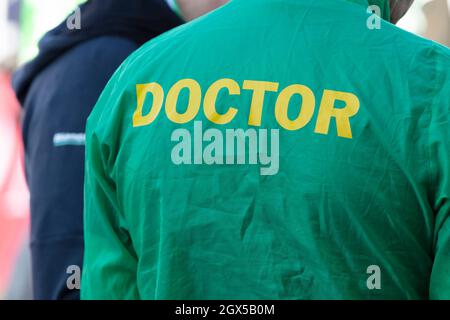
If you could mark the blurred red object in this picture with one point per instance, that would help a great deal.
(14, 196)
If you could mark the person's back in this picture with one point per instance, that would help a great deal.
(342, 188)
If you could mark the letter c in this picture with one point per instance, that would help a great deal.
(211, 97)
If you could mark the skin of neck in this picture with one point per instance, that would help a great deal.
(399, 9)
(192, 9)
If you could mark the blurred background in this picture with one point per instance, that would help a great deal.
(22, 24)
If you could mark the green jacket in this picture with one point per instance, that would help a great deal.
(273, 149)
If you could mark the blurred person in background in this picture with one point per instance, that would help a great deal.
(437, 13)
(57, 91)
(14, 207)
(430, 19)
(355, 200)
(14, 196)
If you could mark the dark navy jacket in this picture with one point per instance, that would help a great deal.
(57, 91)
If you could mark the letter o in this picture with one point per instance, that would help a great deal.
(307, 108)
(195, 97)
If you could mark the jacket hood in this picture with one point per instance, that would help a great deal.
(137, 20)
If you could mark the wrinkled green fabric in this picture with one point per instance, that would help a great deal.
(371, 191)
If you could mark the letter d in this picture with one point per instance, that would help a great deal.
(142, 90)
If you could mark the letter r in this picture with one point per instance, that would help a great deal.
(342, 115)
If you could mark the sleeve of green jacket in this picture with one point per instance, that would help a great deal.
(439, 150)
(110, 263)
